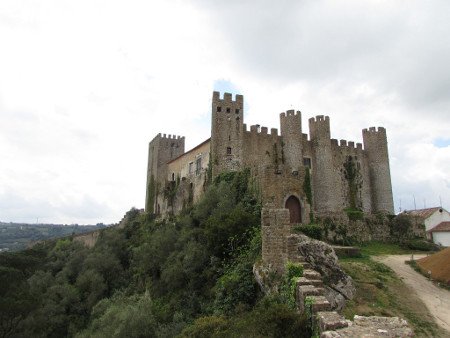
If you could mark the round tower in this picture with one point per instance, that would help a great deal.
(227, 123)
(376, 148)
(323, 181)
(291, 131)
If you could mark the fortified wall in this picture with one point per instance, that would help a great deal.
(306, 174)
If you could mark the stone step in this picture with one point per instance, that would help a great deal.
(311, 274)
(306, 281)
(330, 320)
(306, 265)
(320, 303)
(309, 290)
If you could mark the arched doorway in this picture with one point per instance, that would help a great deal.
(295, 211)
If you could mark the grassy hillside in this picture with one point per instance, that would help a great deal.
(379, 292)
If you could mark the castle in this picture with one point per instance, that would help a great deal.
(316, 175)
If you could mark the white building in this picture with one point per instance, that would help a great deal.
(441, 234)
(436, 222)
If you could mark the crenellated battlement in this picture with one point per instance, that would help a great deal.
(319, 118)
(171, 137)
(228, 99)
(278, 157)
(319, 128)
(258, 130)
(161, 136)
(291, 112)
(374, 130)
(351, 145)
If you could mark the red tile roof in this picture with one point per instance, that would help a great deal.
(441, 227)
(422, 213)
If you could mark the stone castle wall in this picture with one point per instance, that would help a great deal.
(274, 231)
(279, 163)
(161, 150)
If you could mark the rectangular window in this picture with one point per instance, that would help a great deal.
(198, 166)
(191, 167)
(307, 162)
(228, 151)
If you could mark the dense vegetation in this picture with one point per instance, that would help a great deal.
(18, 236)
(190, 276)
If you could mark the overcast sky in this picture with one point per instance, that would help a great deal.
(85, 85)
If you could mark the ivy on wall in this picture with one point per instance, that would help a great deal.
(307, 189)
(151, 190)
(353, 177)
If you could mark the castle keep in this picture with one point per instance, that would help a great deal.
(305, 175)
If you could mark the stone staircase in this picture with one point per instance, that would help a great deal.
(310, 287)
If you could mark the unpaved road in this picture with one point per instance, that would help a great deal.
(436, 299)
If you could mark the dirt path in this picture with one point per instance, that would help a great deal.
(436, 299)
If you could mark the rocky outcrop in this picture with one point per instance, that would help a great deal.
(338, 286)
(330, 325)
(267, 280)
(88, 239)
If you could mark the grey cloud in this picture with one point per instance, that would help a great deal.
(397, 47)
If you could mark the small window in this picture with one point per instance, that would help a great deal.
(307, 162)
(219, 109)
(198, 166)
(237, 111)
(173, 176)
(191, 167)
(228, 151)
(228, 110)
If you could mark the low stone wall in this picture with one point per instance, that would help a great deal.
(87, 239)
(338, 228)
(347, 251)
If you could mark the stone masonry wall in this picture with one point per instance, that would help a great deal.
(278, 162)
(274, 231)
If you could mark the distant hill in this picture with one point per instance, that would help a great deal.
(438, 264)
(18, 236)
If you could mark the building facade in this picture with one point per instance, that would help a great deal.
(435, 222)
(292, 170)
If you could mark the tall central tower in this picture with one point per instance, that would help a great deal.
(227, 128)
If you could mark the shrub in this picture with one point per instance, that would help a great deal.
(354, 214)
(293, 270)
(420, 244)
(205, 327)
(311, 230)
(287, 288)
(401, 226)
